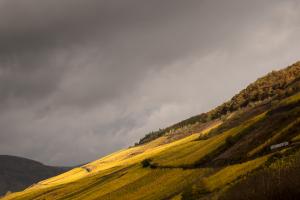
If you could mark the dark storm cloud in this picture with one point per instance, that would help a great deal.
(81, 78)
(34, 32)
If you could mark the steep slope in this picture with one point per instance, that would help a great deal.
(209, 159)
(274, 86)
(17, 173)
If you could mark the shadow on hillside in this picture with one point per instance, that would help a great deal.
(282, 183)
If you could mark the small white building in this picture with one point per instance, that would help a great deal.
(276, 146)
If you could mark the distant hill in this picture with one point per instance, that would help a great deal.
(17, 173)
(247, 148)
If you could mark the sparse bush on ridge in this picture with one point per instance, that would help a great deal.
(148, 163)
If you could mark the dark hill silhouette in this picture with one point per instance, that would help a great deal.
(17, 173)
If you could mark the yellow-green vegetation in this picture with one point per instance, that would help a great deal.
(112, 173)
(296, 138)
(177, 197)
(276, 180)
(189, 153)
(290, 100)
(229, 174)
(276, 137)
(291, 128)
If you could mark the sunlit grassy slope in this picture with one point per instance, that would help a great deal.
(189, 165)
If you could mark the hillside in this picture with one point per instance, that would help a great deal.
(227, 153)
(274, 86)
(17, 173)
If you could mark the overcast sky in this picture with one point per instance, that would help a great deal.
(82, 78)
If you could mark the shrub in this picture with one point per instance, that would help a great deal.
(146, 163)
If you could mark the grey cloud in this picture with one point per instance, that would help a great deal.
(82, 78)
